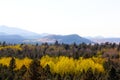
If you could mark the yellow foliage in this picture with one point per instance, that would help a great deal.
(66, 65)
(86, 64)
(20, 62)
(98, 60)
(48, 60)
(16, 47)
(5, 60)
(61, 65)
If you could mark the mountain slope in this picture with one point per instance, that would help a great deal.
(16, 35)
(3, 33)
(68, 39)
(17, 31)
(103, 40)
(11, 38)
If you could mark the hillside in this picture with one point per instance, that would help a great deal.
(11, 38)
(16, 35)
(67, 39)
(16, 31)
(103, 40)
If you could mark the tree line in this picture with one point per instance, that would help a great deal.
(41, 66)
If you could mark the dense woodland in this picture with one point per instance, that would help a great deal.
(60, 61)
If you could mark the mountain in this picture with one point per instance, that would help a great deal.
(16, 35)
(2, 33)
(67, 39)
(103, 40)
(17, 31)
(11, 38)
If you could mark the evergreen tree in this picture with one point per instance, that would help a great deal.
(112, 74)
(36, 71)
(20, 73)
(12, 67)
(47, 72)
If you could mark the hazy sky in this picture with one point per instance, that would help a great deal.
(83, 17)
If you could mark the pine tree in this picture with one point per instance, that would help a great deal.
(20, 73)
(12, 67)
(36, 71)
(112, 74)
(47, 72)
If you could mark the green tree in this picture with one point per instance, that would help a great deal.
(20, 73)
(36, 71)
(112, 74)
(47, 72)
(12, 67)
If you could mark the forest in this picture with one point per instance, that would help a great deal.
(60, 61)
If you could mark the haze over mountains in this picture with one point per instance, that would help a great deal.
(16, 31)
(103, 40)
(68, 39)
(16, 35)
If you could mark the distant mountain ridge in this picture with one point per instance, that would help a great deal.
(103, 40)
(11, 38)
(17, 31)
(2, 33)
(16, 35)
(68, 39)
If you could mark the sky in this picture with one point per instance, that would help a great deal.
(82, 17)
